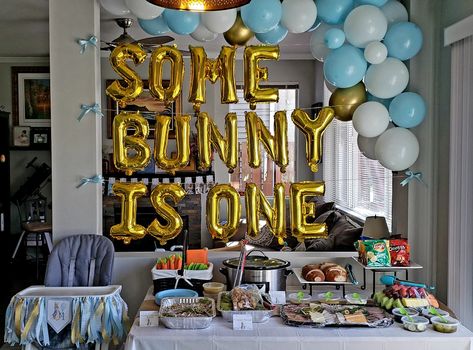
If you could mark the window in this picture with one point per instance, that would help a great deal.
(268, 174)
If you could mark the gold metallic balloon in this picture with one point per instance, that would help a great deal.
(216, 229)
(276, 146)
(130, 152)
(238, 34)
(182, 127)
(209, 138)
(222, 68)
(257, 204)
(254, 74)
(313, 130)
(134, 84)
(128, 229)
(301, 210)
(174, 224)
(345, 101)
(158, 58)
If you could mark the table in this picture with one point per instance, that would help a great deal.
(274, 335)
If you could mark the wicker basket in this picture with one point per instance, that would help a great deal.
(166, 279)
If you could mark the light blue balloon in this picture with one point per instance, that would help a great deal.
(384, 101)
(333, 11)
(261, 16)
(155, 26)
(407, 110)
(334, 38)
(315, 25)
(274, 36)
(403, 40)
(345, 66)
(181, 22)
(378, 3)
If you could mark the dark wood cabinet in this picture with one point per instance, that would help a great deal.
(4, 179)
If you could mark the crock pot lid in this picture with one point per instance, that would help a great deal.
(258, 263)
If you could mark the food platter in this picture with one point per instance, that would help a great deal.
(258, 316)
(298, 272)
(187, 313)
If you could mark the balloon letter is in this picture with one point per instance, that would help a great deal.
(313, 130)
(156, 87)
(203, 68)
(257, 204)
(182, 123)
(128, 229)
(173, 225)
(123, 143)
(134, 84)
(276, 146)
(209, 138)
(218, 192)
(301, 210)
(254, 74)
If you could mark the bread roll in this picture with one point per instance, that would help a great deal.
(324, 266)
(336, 274)
(315, 275)
(309, 267)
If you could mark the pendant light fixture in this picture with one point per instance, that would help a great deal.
(199, 5)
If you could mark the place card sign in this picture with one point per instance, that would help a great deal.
(149, 318)
(242, 322)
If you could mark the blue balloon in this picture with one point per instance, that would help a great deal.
(403, 40)
(345, 66)
(384, 101)
(181, 22)
(261, 16)
(378, 3)
(407, 110)
(334, 38)
(333, 11)
(156, 26)
(315, 25)
(274, 36)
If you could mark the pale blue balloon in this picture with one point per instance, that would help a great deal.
(334, 38)
(333, 11)
(384, 101)
(315, 25)
(261, 16)
(407, 110)
(403, 40)
(378, 3)
(274, 36)
(181, 22)
(345, 66)
(155, 26)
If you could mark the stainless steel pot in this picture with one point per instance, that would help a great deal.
(265, 272)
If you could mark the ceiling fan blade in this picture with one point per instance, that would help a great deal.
(155, 40)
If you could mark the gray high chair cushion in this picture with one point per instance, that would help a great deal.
(81, 260)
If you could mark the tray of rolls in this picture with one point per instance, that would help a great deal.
(324, 273)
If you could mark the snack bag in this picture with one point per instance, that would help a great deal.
(375, 252)
(399, 250)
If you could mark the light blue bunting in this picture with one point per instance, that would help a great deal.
(84, 43)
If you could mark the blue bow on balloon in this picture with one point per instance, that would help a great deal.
(97, 179)
(411, 176)
(90, 108)
(86, 42)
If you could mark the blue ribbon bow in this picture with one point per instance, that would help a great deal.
(92, 41)
(411, 176)
(97, 179)
(95, 108)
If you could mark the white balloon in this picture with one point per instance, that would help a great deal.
(298, 16)
(203, 34)
(115, 7)
(376, 52)
(364, 24)
(366, 146)
(394, 12)
(370, 119)
(143, 9)
(397, 149)
(317, 42)
(219, 21)
(387, 79)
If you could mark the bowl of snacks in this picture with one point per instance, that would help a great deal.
(415, 324)
(356, 298)
(175, 293)
(430, 312)
(400, 312)
(300, 298)
(329, 298)
(445, 324)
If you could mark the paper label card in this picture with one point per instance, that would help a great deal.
(59, 313)
(242, 322)
(278, 297)
(149, 318)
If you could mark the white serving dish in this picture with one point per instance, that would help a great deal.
(185, 322)
(258, 316)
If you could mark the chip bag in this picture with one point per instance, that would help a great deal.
(373, 252)
(399, 250)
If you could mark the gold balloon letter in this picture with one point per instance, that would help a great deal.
(173, 227)
(276, 146)
(254, 74)
(182, 123)
(128, 229)
(134, 84)
(301, 210)
(257, 204)
(209, 138)
(218, 192)
(124, 144)
(313, 130)
(156, 87)
(203, 68)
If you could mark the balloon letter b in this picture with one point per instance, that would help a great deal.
(218, 192)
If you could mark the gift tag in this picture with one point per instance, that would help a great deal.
(278, 297)
(242, 322)
(149, 318)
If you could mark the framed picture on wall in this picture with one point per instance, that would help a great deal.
(21, 136)
(147, 105)
(40, 136)
(31, 96)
